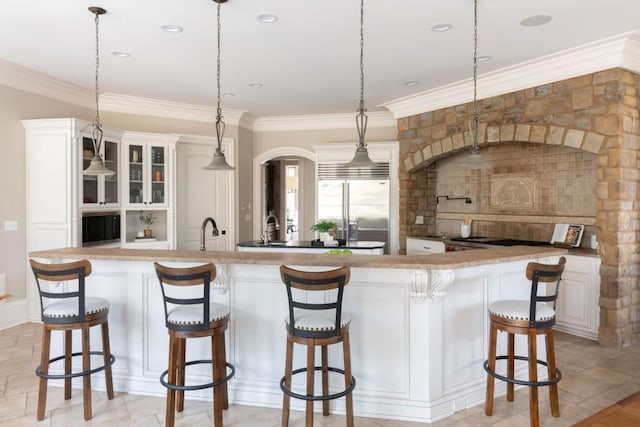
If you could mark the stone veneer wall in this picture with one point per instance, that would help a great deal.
(597, 113)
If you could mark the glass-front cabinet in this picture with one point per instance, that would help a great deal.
(100, 191)
(147, 174)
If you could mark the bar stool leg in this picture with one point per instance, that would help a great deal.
(310, 385)
(510, 364)
(86, 366)
(288, 367)
(491, 364)
(325, 379)
(533, 377)
(68, 349)
(217, 376)
(171, 394)
(553, 388)
(44, 368)
(346, 351)
(106, 349)
(180, 372)
(222, 361)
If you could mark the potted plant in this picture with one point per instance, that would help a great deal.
(147, 218)
(323, 227)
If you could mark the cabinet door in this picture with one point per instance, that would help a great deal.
(100, 191)
(147, 175)
(158, 171)
(135, 161)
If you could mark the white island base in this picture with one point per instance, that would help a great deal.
(418, 329)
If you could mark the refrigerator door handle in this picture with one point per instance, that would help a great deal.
(345, 215)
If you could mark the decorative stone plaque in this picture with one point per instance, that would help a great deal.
(513, 191)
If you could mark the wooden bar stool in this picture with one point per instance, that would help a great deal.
(317, 324)
(67, 310)
(530, 318)
(188, 317)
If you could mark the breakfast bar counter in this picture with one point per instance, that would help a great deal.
(418, 323)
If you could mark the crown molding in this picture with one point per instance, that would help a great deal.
(619, 51)
(168, 109)
(28, 80)
(322, 121)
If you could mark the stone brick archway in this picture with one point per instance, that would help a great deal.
(597, 113)
(541, 134)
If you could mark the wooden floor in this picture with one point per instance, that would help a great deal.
(624, 413)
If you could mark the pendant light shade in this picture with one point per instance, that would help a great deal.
(218, 162)
(97, 166)
(474, 160)
(361, 158)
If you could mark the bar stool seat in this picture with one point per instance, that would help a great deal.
(317, 325)
(186, 317)
(67, 310)
(531, 318)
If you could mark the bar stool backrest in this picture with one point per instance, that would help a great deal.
(545, 273)
(201, 276)
(69, 271)
(315, 281)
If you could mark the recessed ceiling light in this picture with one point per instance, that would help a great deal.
(120, 54)
(411, 83)
(267, 18)
(441, 27)
(483, 58)
(227, 95)
(172, 28)
(256, 85)
(535, 20)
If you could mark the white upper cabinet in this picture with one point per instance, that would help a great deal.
(148, 170)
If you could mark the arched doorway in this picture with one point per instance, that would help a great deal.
(273, 192)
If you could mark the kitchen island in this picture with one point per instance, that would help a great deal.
(418, 323)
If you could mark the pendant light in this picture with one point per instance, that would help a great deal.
(218, 162)
(97, 166)
(361, 158)
(474, 160)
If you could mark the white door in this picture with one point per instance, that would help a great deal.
(204, 193)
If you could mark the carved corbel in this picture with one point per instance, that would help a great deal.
(440, 281)
(220, 284)
(430, 284)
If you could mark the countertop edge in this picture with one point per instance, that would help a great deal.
(446, 261)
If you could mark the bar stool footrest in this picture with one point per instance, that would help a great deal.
(197, 386)
(39, 373)
(522, 382)
(315, 398)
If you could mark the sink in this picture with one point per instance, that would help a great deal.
(277, 242)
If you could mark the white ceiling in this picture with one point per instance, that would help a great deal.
(308, 61)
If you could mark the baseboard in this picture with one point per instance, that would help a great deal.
(14, 312)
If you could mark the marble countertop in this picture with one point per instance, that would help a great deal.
(446, 261)
(582, 251)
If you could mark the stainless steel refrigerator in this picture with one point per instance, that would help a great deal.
(358, 201)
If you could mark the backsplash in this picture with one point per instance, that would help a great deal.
(530, 188)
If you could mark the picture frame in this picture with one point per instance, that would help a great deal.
(567, 235)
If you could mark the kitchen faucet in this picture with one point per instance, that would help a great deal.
(214, 232)
(265, 233)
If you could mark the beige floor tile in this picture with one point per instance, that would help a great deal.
(594, 377)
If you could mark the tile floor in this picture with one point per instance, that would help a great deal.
(594, 378)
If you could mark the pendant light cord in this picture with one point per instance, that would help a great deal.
(476, 147)
(220, 126)
(361, 118)
(97, 126)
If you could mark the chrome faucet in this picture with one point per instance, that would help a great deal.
(214, 232)
(265, 233)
